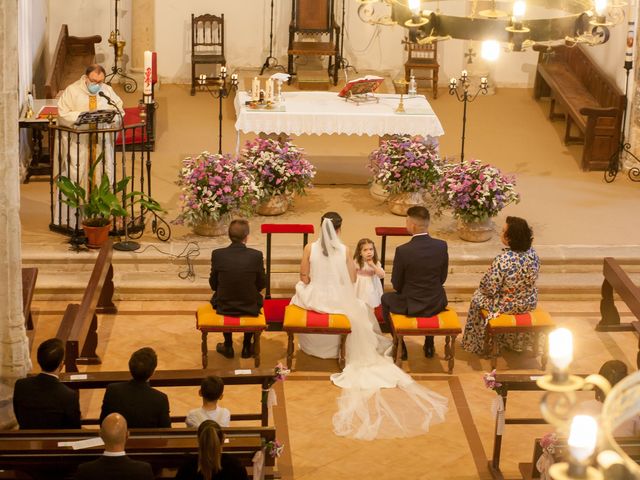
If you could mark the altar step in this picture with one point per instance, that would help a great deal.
(568, 272)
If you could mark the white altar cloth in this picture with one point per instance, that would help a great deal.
(324, 113)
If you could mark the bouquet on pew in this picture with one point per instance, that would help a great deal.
(278, 167)
(405, 164)
(475, 191)
(214, 186)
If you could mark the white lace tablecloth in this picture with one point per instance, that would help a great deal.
(324, 113)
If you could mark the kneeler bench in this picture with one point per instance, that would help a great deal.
(536, 321)
(299, 320)
(208, 320)
(444, 323)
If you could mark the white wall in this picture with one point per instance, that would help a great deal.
(367, 47)
(32, 45)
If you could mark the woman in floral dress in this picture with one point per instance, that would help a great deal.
(508, 287)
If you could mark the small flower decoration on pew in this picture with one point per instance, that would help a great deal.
(274, 448)
(490, 380)
(549, 443)
(281, 372)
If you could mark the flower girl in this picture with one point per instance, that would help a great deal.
(368, 273)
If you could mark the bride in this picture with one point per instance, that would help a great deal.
(378, 400)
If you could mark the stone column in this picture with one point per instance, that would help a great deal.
(142, 31)
(14, 346)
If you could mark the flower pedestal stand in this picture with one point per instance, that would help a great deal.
(378, 192)
(211, 228)
(399, 203)
(275, 205)
(479, 231)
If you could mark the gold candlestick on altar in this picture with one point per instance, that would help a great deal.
(401, 87)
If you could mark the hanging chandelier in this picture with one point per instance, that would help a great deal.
(517, 24)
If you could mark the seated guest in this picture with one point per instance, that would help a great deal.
(211, 391)
(508, 287)
(237, 277)
(42, 401)
(141, 405)
(114, 463)
(211, 463)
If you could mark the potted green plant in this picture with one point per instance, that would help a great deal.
(98, 203)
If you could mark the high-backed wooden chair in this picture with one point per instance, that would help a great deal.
(207, 43)
(314, 18)
(422, 58)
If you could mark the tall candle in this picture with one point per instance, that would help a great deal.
(148, 72)
(268, 90)
(255, 88)
(631, 33)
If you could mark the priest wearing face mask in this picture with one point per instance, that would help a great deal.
(87, 94)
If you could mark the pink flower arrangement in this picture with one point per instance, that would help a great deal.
(278, 167)
(281, 372)
(490, 380)
(475, 191)
(549, 442)
(213, 186)
(405, 164)
(274, 448)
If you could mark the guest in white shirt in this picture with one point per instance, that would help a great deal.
(211, 391)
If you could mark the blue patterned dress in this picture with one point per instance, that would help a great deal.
(508, 287)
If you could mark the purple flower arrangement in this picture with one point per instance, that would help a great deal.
(475, 191)
(214, 186)
(490, 380)
(279, 168)
(404, 164)
(274, 448)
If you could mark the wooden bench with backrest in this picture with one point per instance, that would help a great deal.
(69, 61)
(29, 277)
(180, 378)
(590, 100)
(79, 326)
(630, 445)
(39, 452)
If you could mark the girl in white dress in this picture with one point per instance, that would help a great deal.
(369, 273)
(378, 400)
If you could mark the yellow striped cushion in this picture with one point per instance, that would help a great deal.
(535, 318)
(208, 317)
(296, 317)
(445, 320)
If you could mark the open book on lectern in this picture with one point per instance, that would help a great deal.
(95, 116)
(361, 86)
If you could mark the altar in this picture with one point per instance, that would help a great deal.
(325, 113)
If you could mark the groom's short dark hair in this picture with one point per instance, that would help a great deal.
(419, 214)
(238, 230)
(335, 218)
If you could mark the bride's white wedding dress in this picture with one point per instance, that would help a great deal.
(379, 400)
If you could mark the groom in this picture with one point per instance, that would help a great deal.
(419, 272)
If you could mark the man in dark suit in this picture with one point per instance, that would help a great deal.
(141, 405)
(419, 272)
(237, 277)
(42, 401)
(114, 463)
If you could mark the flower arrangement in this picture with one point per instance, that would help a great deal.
(213, 186)
(475, 191)
(549, 442)
(490, 380)
(279, 168)
(405, 164)
(281, 372)
(274, 448)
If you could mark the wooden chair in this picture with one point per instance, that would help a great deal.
(315, 18)
(207, 43)
(425, 58)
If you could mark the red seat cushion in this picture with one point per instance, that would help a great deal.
(274, 309)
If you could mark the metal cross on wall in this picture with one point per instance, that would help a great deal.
(469, 55)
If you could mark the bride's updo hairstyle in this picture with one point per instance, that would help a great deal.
(336, 220)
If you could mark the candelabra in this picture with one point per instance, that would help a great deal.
(271, 62)
(223, 90)
(460, 88)
(130, 85)
(557, 407)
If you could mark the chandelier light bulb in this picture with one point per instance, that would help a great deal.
(490, 50)
(519, 9)
(601, 7)
(561, 348)
(582, 437)
(414, 6)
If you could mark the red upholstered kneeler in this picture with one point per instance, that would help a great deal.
(536, 321)
(208, 320)
(445, 323)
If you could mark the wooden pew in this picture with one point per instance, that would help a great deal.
(33, 451)
(630, 445)
(179, 378)
(80, 321)
(29, 277)
(69, 61)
